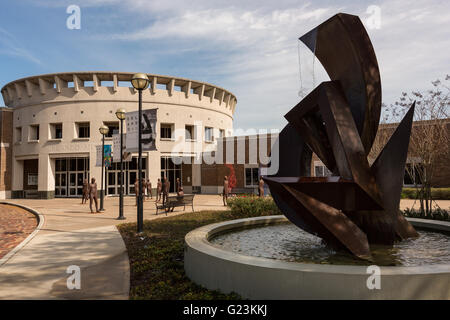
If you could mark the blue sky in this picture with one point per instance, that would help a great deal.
(247, 47)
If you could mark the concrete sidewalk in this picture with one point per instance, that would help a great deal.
(71, 235)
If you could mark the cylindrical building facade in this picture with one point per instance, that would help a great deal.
(55, 125)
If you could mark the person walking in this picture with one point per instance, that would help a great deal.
(178, 186)
(85, 195)
(93, 195)
(149, 189)
(158, 190)
(143, 188)
(225, 190)
(261, 187)
(166, 189)
(136, 190)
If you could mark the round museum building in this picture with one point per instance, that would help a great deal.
(50, 131)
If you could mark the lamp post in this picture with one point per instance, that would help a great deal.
(120, 114)
(104, 131)
(140, 82)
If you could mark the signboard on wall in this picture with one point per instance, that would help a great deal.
(148, 123)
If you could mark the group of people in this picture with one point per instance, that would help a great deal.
(162, 189)
(227, 189)
(90, 192)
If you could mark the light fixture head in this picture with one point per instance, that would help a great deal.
(103, 130)
(140, 81)
(120, 113)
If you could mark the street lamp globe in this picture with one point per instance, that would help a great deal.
(120, 113)
(140, 81)
(103, 130)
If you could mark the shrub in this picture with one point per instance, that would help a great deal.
(436, 193)
(438, 214)
(252, 206)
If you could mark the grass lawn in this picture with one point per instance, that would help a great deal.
(156, 257)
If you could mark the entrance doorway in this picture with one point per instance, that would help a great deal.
(69, 176)
(170, 170)
(130, 171)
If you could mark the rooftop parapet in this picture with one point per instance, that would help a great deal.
(21, 92)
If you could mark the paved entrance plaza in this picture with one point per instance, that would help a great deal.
(70, 236)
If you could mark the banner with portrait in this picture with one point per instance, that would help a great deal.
(116, 148)
(148, 123)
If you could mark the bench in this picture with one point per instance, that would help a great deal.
(176, 201)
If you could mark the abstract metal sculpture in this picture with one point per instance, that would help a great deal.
(359, 204)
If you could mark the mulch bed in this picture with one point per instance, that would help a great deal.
(157, 256)
(15, 225)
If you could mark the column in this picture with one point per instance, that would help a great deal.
(46, 177)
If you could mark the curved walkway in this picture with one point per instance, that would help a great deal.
(71, 236)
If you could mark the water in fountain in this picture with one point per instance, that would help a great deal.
(286, 242)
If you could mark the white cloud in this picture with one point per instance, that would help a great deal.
(10, 46)
(251, 46)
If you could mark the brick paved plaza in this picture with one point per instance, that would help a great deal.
(15, 225)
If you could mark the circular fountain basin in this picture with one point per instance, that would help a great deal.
(213, 262)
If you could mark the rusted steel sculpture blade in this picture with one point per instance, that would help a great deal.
(338, 120)
(343, 47)
(389, 170)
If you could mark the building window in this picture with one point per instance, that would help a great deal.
(189, 132)
(166, 131)
(34, 132)
(209, 134)
(413, 174)
(321, 171)
(32, 179)
(251, 177)
(56, 131)
(221, 133)
(18, 134)
(83, 129)
(113, 128)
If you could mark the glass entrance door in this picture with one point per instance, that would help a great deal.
(61, 184)
(170, 170)
(130, 170)
(69, 176)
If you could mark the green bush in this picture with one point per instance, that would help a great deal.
(438, 214)
(252, 206)
(436, 193)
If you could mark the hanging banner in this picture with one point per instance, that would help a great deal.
(148, 123)
(107, 153)
(116, 147)
(98, 161)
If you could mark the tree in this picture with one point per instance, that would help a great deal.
(430, 137)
